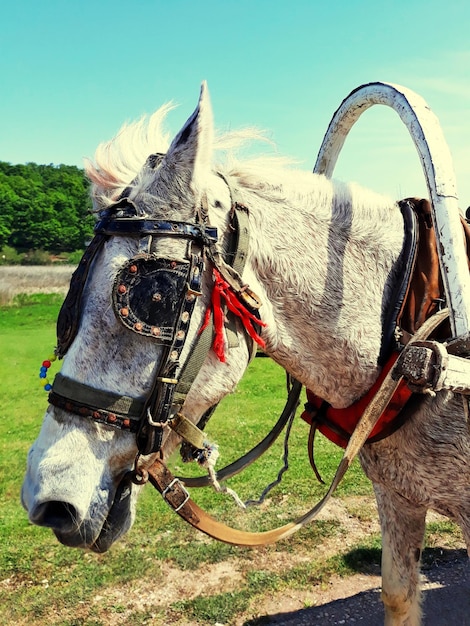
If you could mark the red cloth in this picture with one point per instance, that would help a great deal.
(348, 418)
(223, 291)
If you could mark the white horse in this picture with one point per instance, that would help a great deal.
(322, 259)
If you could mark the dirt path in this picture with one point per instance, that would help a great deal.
(356, 599)
(350, 600)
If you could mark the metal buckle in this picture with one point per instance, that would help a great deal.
(183, 489)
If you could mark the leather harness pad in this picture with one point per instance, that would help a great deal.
(426, 293)
(148, 293)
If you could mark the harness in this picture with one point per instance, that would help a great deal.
(155, 297)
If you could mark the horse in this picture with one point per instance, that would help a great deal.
(323, 259)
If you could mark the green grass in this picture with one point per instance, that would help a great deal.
(44, 582)
(42, 574)
(35, 311)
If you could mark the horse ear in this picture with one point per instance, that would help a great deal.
(191, 150)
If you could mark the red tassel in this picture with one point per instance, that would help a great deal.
(218, 343)
(222, 289)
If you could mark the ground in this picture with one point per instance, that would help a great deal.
(350, 600)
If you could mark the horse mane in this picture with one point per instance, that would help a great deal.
(117, 162)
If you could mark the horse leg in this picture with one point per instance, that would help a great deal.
(403, 526)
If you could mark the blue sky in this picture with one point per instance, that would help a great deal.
(72, 72)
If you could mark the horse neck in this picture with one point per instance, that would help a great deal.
(323, 259)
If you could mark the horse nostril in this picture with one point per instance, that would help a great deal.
(55, 514)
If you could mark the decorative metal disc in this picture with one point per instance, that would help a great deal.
(148, 293)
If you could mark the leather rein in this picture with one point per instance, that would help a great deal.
(175, 494)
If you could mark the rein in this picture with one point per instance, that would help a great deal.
(177, 497)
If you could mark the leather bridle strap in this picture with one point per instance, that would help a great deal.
(103, 407)
(236, 255)
(179, 500)
(141, 227)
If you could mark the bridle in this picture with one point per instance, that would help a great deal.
(154, 297)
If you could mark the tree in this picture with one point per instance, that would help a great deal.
(44, 206)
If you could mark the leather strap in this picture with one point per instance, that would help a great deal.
(142, 227)
(252, 455)
(187, 430)
(178, 498)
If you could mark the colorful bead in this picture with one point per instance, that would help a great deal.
(45, 383)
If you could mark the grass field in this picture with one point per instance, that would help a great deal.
(184, 577)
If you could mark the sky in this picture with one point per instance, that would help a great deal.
(71, 73)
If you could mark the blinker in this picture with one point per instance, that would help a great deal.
(149, 295)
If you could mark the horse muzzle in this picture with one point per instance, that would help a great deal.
(95, 527)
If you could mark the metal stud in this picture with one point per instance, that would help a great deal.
(185, 317)
(122, 289)
(155, 331)
(174, 355)
(138, 326)
(124, 312)
(133, 269)
(180, 334)
(157, 297)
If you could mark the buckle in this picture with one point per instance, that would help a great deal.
(249, 297)
(182, 490)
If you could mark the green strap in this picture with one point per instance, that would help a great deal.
(237, 255)
(241, 225)
(188, 431)
(193, 364)
(89, 396)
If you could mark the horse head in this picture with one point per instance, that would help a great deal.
(128, 328)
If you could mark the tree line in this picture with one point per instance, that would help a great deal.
(44, 207)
